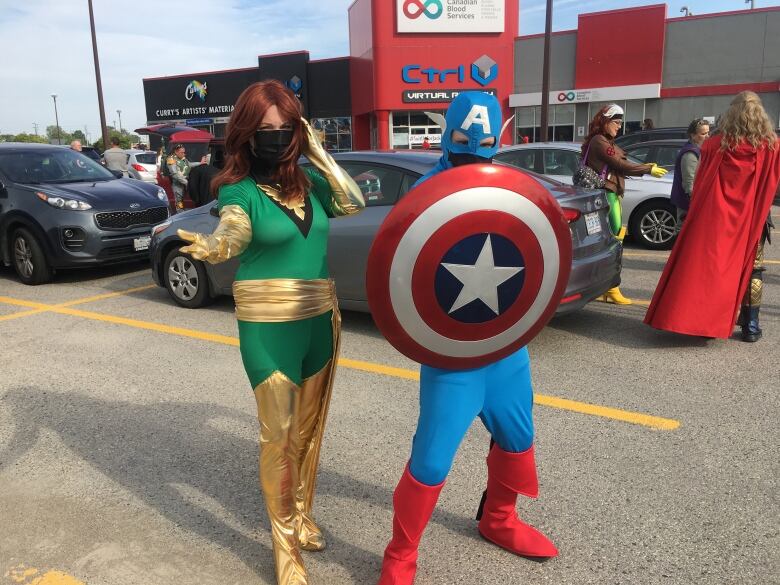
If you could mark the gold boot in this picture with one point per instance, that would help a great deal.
(315, 396)
(621, 234)
(278, 408)
(614, 295)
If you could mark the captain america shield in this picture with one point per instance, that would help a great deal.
(469, 266)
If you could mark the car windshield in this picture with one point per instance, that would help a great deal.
(146, 158)
(50, 166)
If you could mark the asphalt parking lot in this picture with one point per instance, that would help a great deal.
(128, 447)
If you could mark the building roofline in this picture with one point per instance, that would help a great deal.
(199, 73)
(728, 13)
(283, 53)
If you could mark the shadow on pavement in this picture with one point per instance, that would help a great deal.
(150, 448)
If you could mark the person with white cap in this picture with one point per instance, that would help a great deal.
(606, 158)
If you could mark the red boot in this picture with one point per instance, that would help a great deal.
(413, 503)
(510, 474)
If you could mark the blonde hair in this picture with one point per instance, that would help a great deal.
(746, 120)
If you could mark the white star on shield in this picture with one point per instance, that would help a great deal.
(481, 280)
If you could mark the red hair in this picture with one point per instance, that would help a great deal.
(597, 125)
(250, 109)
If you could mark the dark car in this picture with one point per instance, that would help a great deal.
(678, 132)
(661, 152)
(385, 177)
(60, 209)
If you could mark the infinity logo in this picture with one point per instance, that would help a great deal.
(416, 8)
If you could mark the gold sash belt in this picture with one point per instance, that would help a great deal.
(276, 300)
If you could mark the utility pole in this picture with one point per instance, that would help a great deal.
(119, 113)
(56, 118)
(97, 77)
(35, 127)
(546, 73)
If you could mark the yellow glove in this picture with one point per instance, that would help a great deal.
(657, 171)
(231, 237)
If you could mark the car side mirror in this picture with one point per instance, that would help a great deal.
(214, 210)
(117, 174)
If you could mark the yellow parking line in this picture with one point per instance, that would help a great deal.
(552, 401)
(645, 255)
(77, 302)
(23, 575)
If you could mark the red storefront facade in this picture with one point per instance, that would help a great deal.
(398, 74)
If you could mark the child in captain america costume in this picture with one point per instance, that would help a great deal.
(500, 394)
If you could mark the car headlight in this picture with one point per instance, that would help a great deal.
(160, 227)
(62, 203)
(162, 195)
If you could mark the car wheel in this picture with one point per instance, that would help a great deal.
(29, 261)
(186, 280)
(654, 225)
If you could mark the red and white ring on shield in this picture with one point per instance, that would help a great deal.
(469, 266)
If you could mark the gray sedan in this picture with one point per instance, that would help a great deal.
(385, 177)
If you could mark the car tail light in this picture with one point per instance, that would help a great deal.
(139, 168)
(571, 299)
(571, 215)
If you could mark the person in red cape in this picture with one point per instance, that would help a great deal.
(716, 263)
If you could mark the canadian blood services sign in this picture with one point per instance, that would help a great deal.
(450, 16)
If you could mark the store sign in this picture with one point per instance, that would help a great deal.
(198, 97)
(580, 96)
(483, 71)
(413, 96)
(450, 16)
(419, 139)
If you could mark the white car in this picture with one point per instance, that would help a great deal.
(142, 165)
(651, 218)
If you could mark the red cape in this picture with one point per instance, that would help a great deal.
(701, 288)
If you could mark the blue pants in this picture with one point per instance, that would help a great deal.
(499, 393)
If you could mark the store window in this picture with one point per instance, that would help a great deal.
(415, 130)
(560, 123)
(336, 132)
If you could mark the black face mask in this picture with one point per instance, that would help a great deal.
(466, 158)
(270, 146)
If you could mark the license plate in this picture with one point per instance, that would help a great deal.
(592, 223)
(142, 243)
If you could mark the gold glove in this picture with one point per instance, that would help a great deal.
(347, 197)
(231, 237)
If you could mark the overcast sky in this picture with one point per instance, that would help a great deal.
(46, 47)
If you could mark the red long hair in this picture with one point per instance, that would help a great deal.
(250, 109)
(597, 125)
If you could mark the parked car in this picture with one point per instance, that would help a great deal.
(196, 143)
(385, 177)
(677, 132)
(61, 209)
(661, 152)
(92, 153)
(652, 219)
(142, 165)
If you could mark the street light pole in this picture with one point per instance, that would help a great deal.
(97, 77)
(546, 73)
(56, 118)
(119, 113)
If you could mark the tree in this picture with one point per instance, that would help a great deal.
(51, 133)
(24, 137)
(79, 135)
(123, 137)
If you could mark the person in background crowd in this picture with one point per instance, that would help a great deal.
(647, 124)
(426, 144)
(715, 267)
(116, 158)
(200, 177)
(76, 145)
(601, 154)
(178, 169)
(685, 167)
(273, 216)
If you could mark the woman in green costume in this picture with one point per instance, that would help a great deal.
(274, 217)
(600, 153)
